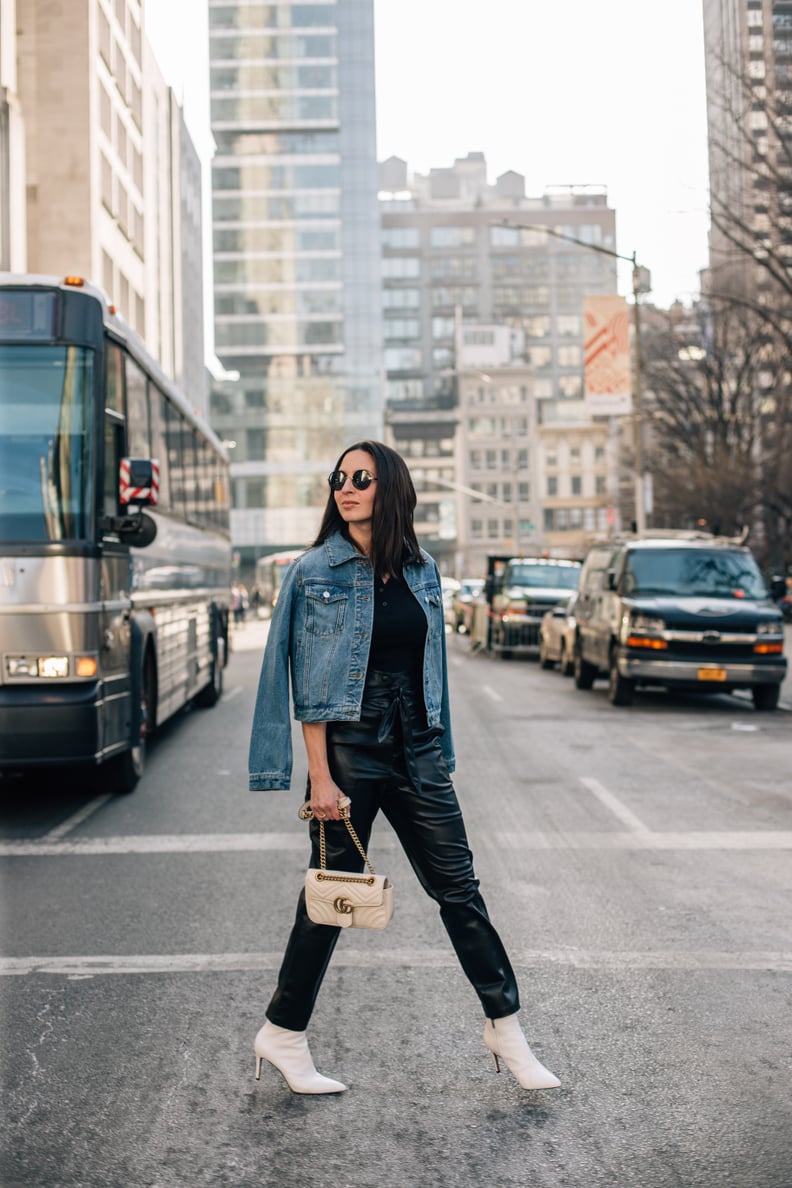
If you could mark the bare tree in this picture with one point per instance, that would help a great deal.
(712, 409)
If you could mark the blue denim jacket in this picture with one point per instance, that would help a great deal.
(321, 630)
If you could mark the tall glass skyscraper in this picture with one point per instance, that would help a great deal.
(296, 254)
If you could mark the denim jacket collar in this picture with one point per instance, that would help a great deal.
(340, 550)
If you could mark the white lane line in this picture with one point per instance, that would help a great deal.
(625, 815)
(232, 693)
(179, 843)
(491, 693)
(235, 843)
(378, 956)
(77, 818)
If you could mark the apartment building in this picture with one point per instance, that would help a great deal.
(748, 55)
(459, 250)
(112, 188)
(296, 255)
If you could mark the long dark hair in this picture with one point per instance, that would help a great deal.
(393, 539)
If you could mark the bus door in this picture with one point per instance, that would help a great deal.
(114, 568)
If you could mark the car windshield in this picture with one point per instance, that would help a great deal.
(693, 573)
(45, 471)
(563, 577)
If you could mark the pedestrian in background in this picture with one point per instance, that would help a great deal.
(359, 620)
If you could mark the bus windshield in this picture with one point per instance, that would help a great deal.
(563, 577)
(46, 483)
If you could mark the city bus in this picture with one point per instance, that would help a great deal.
(115, 556)
(270, 571)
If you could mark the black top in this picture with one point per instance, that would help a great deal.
(399, 631)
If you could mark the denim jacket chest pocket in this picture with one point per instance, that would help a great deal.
(325, 608)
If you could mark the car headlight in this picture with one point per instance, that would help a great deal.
(770, 627)
(646, 624)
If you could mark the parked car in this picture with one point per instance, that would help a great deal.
(462, 603)
(449, 587)
(683, 610)
(557, 637)
(517, 592)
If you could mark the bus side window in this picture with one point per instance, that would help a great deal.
(159, 444)
(139, 440)
(175, 457)
(113, 453)
(114, 372)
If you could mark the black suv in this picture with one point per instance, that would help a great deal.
(686, 612)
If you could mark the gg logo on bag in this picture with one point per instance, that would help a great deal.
(342, 906)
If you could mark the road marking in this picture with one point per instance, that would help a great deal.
(234, 843)
(77, 818)
(495, 696)
(232, 693)
(625, 815)
(180, 843)
(378, 956)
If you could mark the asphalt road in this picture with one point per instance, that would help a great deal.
(637, 863)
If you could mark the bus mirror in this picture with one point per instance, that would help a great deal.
(138, 482)
(138, 530)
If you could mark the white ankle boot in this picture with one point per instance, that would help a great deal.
(288, 1051)
(505, 1040)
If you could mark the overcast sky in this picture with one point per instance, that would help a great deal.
(565, 92)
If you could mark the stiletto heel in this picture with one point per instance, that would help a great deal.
(288, 1051)
(505, 1040)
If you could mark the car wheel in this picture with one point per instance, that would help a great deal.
(544, 659)
(566, 663)
(584, 672)
(765, 697)
(620, 689)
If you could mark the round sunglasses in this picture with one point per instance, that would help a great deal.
(361, 479)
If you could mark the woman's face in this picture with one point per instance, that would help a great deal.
(354, 506)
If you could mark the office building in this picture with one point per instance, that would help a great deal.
(111, 190)
(458, 250)
(296, 255)
(748, 55)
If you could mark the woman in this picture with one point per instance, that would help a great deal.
(359, 620)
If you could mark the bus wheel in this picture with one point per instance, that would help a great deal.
(126, 769)
(211, 693)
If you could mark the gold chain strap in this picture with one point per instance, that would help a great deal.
(355, 839)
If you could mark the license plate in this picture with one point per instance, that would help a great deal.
(712, 674)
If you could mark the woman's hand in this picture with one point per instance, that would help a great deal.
(327, 799)
(325, 792)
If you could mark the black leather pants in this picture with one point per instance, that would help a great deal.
(391, 760)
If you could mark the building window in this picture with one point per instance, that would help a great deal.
(401, 267)
(552, 485)
(452, 236)
(443, 327)
(402, 328)
(577, 484)
(476, 529)
(401, 237)
(600, 485)
(402, 359)
(401, 298)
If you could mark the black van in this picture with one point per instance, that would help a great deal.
(685, 611)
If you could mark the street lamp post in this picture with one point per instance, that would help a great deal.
(640, 284)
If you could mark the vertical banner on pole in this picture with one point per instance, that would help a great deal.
(606, 348)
